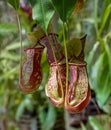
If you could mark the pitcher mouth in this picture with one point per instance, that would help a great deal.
(49, 34)
(83, 63)
(35, 48)
(58, 63)
(80, 63)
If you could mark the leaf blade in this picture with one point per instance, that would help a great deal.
(51, 118)
(43, 12)
(105, 18)
(64, 8)
(95, 123)
(14, 4)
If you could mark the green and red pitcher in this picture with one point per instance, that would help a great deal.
(31, 74)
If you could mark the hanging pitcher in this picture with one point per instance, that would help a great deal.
(78, 93)
(54, 48)
(55, 88)
(31, 75)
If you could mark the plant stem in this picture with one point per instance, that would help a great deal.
(96, 16)
(65, 49)
(20, 34)
(50, 43)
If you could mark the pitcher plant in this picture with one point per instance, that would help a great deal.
(55, 88)
(78, 92)
(31, 75)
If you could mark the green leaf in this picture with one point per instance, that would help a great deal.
(104, 91)
(94, 72)
(41, 114)
(50, 118)
(96, 15)
(7, 28)
(96, 125)
(105, 18)
(101, 78)
(14, 3)
(105, 5)
(42, 12)
(15, 45)
(74, 47)
(107, 106)
(26, 103)
(91, 54)
(9, 55)
(83, 127)
(20, 110)
(9, 73)
(64, 8)
(100, 73)
(108, 52)
(26, 23)
(32, 2)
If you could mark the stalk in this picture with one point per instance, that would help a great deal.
(20, 34)
(52, 48)
(65, 49)
(96, 17)
(55, 62)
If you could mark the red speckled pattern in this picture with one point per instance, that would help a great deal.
(31, 75)
(52, 44)
(78, 94)
(55, 88)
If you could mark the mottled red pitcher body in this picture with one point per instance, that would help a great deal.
(55, 88)
(53, 48)
(78, 93)
(31, 75)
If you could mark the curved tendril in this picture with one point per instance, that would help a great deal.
(66, 56)
(20, 34)
(55, 62)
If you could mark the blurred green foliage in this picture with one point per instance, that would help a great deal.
(95, 20)
(99, 61)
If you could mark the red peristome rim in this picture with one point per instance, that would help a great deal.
(54, 34)
(58, 63)
(70, 63)
(35, 48)
(79, 107)
(78, 64)
(57, 103)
